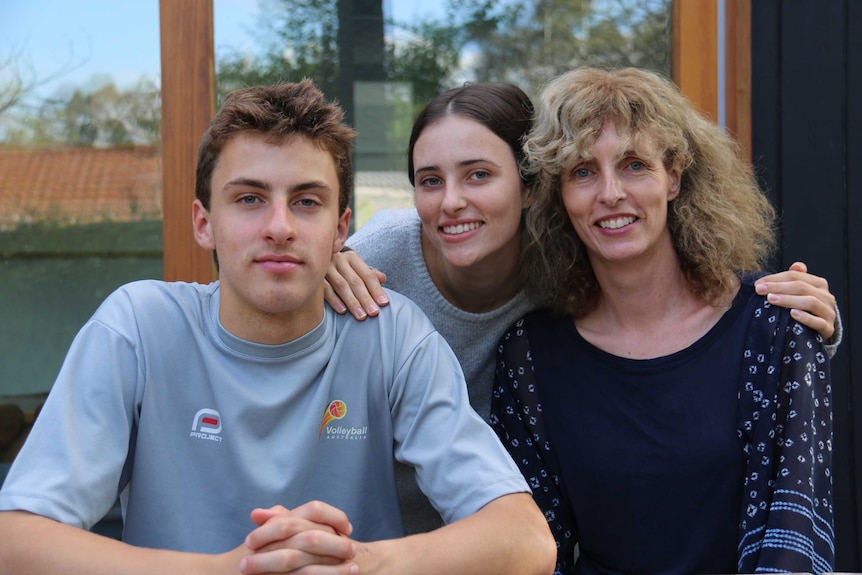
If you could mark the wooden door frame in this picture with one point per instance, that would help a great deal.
(189, 88)
(700, 29)
(188, 105)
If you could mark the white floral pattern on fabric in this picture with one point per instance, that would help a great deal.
(785, 424)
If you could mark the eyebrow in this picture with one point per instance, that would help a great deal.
(263, 185)
(632, 152)
(627, 153)
(248, 183)
(461, 164)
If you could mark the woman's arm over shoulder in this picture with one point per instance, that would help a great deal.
(356, 274)
(809, 298)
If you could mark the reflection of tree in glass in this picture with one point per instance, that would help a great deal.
(521, 41)
(295, 39)
(107, 116)
(21, 81)
(529, 42)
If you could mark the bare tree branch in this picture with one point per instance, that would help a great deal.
(21, 80)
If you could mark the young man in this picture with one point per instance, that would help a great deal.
(199, 404)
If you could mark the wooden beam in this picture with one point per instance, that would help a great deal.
(694, 52)
(188, 104)
(694, 59)
(738, 84)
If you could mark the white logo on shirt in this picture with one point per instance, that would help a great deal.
(207, 425)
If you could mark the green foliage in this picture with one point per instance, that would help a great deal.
(106, 239)
(529, 42)
(107, 116)
(424, 57)
(521, 41)
(297, 39)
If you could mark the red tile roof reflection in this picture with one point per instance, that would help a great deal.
(79, 185)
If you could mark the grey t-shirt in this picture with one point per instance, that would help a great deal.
(218, 425)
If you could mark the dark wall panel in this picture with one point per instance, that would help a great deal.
(852, 304)
(812, 133)
(806, 110)
(765, 96)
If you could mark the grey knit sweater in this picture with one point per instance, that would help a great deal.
(391, 242)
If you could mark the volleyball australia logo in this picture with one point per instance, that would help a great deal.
(336, 410)
(207, 425)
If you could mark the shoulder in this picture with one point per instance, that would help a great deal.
(539, 321)
(773, 333)
(403, 309)
(402, 324)
(401, 312)
(765, 317)
(154, 301)
(399, 216)
(401, 332)
(157, 292)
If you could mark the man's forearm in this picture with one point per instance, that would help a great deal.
(507, 536)
(35, 545)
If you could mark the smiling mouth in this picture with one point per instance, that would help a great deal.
(461, 228)
(616, 223)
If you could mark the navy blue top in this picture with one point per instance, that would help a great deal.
(714, 459)
(659, 437)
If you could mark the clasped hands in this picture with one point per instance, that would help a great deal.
(311, 538)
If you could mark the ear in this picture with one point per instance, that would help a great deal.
(202, 226)
(526, 196)
(341, 231)
(674, 178)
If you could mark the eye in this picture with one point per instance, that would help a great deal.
(581, 172)
(430, 181)
(480, 175)
(248, 200)
(636, 165)
(307, 203)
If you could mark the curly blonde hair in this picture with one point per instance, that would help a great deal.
(720, 223)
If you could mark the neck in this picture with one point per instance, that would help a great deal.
(634, 295)
(269, 328)
(476, 288)
(647, 309)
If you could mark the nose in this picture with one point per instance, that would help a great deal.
(279, 225)
(453, 198)
(611, 188)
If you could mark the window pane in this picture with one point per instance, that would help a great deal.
(80, 174)
(384, 59)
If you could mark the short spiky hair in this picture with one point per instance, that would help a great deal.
(278, 111)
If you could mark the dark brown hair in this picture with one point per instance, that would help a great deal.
(278, 112)
(502, 108)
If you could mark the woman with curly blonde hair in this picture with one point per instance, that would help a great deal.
(668, 417)
(720, 223)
